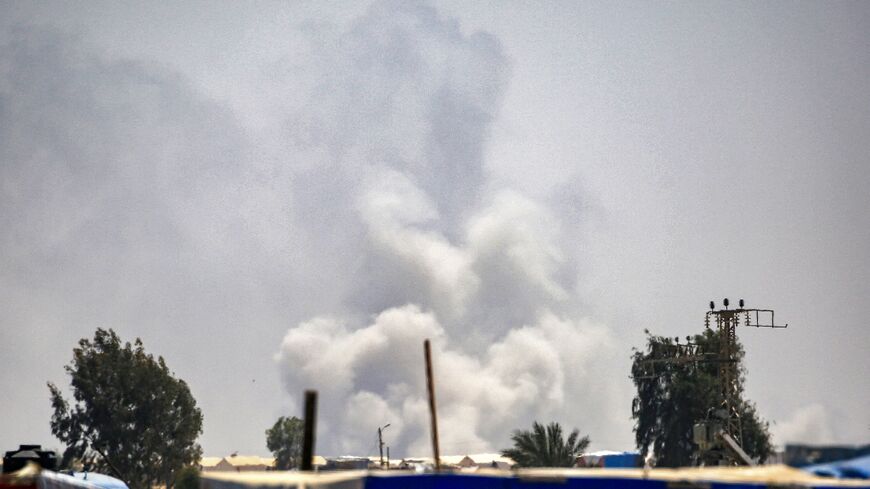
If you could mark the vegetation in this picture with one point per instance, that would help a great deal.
(131, 418)
(669, 403)
(187, 478)
(545, 446)
(284, 440)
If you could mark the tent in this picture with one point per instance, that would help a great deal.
(773, 476)
(102, 481)
(855, 468)
(610, 459)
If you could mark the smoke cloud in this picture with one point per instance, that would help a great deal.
(129, 199)
(809, 424)
(430, 247)
(373, 375)
(353, 204)
(356, 178)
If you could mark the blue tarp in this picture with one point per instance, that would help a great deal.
(611, 460)
(856, 468)
(623, 460)
(462, 481)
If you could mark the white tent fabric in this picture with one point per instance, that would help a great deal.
(54, 480)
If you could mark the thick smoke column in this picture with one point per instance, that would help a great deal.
(396, 197)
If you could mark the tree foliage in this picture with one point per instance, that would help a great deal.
(284, 440)
(187, 478)
(668, 403)
(131, 416)
(545, 446)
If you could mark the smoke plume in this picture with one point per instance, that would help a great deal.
(423, 244)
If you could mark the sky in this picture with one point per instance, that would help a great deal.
(277, 197)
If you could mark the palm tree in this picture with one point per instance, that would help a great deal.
(544, 447)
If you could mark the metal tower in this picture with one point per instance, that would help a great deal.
(720, 436)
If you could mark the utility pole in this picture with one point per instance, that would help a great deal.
(381, 443)
(308, 435)
(433, 415)
(720, 436)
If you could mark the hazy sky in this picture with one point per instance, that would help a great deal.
(279, 196)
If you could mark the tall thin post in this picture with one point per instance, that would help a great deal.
(430, 384)
(381, 447)
(308, 434)
(388, 458)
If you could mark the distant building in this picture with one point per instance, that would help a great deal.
(242, 463)
(347, 463)
(801, 455)
(17, 459)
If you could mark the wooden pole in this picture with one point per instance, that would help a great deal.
(310, 428)
(430, 384)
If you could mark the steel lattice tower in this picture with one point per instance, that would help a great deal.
(720, 437)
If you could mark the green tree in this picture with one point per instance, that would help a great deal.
(284, 440)
(187, 478)
(545, 446)
(673, 397)
(131, 416)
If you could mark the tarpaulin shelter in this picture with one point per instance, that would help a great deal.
(102, 481)
(610, 459)
(33, 477)
(54, 480)
(856, 468)
(709, 478)
(24, 478)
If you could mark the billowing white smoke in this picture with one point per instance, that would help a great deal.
(809, 424)
(374, 375)
(423, 245)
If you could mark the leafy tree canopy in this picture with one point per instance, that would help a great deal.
(545, 446)
(284, 440)
(187, 478)
(673, 397)
(131, 416)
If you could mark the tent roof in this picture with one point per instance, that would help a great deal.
(249, 460)
(210, 461)
(102, 481)
(855, 468)
(764, 475)
(605, 453)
